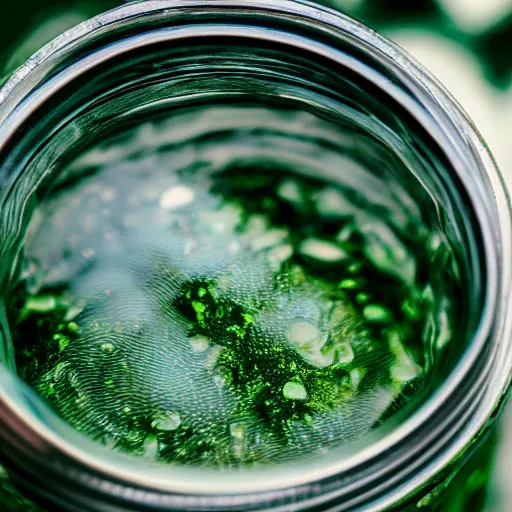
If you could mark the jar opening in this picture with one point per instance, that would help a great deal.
(203, 192)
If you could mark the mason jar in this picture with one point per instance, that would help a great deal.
(234, 87)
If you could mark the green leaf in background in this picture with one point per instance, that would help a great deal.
(28, 25)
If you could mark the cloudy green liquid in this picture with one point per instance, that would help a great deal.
(221, 315)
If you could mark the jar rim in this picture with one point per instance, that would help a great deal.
(427, 102)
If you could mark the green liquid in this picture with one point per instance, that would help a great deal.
(233, 316)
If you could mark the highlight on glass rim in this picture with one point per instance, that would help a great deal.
(255, 256)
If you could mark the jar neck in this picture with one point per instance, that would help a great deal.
(252, 38)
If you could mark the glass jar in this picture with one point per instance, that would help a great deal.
(307, 65)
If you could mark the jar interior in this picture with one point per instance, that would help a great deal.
(229, 254)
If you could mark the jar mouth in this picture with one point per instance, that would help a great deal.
(424, 100)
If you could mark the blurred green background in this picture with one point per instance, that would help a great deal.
(467, 44)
